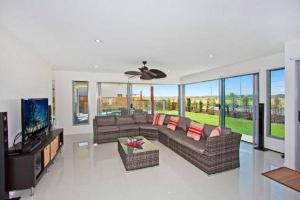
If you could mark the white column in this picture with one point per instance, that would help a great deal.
(181, 99)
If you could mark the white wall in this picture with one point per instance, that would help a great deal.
(260, 65)
(292, 151)
(22, 75)
(63, 94)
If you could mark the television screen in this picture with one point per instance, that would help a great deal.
(34, 116)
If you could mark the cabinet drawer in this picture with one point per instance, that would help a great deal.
(54, 147)
(46, 155)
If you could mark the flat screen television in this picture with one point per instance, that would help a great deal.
(34, 117)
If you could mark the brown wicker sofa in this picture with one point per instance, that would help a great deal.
(211, 154)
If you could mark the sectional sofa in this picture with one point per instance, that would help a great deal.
(210, 154)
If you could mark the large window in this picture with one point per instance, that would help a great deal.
(239, 104)
(166, 99)
(80, 103)
(276, 103)
(141, 100)
(112, 99)
(202, 101)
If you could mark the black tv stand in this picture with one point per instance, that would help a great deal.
(31, 144)
(27, 164)
(35, 145)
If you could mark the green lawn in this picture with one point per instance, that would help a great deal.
(242, 126)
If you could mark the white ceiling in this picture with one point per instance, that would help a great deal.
(173, 35)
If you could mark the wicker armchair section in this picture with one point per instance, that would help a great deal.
(149, 134)
(162, 138)
(104, 134)
(222, 144)
(221, 153)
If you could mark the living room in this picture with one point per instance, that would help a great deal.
(228, 70)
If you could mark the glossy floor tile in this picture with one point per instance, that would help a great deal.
(88, 172)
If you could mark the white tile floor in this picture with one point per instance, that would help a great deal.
(97, 172)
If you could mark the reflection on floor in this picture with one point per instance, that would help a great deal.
(91, 172)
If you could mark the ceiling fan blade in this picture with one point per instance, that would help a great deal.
(131, 76)
(159, 74)
(154, 75)
(133, 73)
(146, 76)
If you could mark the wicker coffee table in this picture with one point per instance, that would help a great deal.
(135, 158)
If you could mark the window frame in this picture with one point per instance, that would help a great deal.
(255, 96)
(268, 104)
(88, 121)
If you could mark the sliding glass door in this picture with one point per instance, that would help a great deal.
(202, 100)
(239, 104)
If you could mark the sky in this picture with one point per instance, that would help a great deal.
(277, 82)
(208, 88)
(241, 85)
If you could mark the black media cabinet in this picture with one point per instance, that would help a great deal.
(25, 169)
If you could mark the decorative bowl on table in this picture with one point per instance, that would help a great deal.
(134, 142)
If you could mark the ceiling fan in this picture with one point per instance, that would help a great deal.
(146, 74)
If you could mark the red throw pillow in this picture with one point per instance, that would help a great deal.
(215, 132)
(158, 119)
(173, 123)
(195, 130)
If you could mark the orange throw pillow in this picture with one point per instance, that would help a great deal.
(158, 119)
(173, 123)
(195, 131)
(215, 132)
